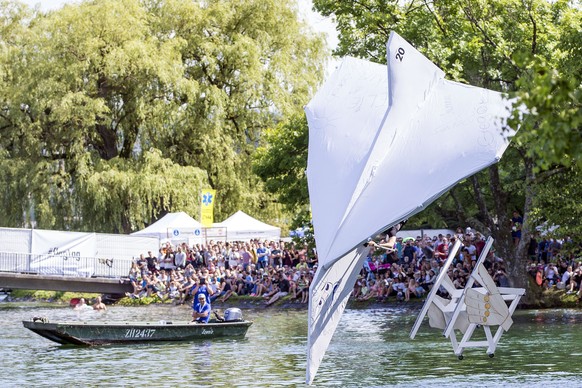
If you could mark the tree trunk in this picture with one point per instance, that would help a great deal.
(106, 141)
(514, 256)
(519, 277)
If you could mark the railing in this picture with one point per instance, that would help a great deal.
(64, 265)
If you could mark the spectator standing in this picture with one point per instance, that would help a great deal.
(276, 255)
(442, 251)
(409, 251)
(427, 249)
(263, 255)
(142, 262)
(246, 259)
(516, 222)
(532, 249)
(152, 262)
(180, 259)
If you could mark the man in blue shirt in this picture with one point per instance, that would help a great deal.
(263, 254)
(201, 310)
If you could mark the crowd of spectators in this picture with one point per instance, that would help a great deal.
(266, 269)
(272, 270)
(553, 264)
(411, 269)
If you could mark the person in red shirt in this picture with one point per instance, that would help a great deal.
(442, 251)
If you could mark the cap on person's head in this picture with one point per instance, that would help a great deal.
(201, 296)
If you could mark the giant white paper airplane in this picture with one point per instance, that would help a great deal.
(384, 142)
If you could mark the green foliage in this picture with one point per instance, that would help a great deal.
(119, 187)
(554, 102)
(281, 162)
(114, 112)
(557, 201)
(52, 296)
(255, 67)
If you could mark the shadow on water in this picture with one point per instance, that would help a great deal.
(371, 348)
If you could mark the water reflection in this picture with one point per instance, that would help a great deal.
(370, 348)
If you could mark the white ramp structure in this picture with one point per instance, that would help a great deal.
(440, 309)
(471, 308)
(370, 126)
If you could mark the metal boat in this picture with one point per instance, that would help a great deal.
(102, 333)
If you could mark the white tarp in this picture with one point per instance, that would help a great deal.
(173, 226)
(113, 249)
(384, 142)
(59, 253)
(52, 252)
(15, 240)
(241, 227)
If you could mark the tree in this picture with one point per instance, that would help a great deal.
(116, 112)
(497, 45)
(255, 67)
(552, 93)
(281, 162)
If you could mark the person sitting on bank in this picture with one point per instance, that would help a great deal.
(282, 289)
(99, 305)
(201, 310)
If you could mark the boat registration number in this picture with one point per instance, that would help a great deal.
(139, 333)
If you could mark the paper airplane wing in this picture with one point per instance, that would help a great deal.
(362, 152)
(344, 120)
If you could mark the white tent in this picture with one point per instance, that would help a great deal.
(240, 226)
(172, 226)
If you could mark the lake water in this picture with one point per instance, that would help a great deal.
(371, 348)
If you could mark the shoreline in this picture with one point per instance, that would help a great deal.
(550, 299)
(258, 303)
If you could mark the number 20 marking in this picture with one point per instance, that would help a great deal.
(400, 54)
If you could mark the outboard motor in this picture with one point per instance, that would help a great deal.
(233, 314)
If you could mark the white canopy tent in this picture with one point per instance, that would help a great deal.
(240, 226)
(173, 226)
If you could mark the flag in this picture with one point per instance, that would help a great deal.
(207, 207)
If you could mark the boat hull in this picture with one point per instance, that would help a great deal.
(102, 333)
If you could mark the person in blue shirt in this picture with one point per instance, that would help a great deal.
(201, 310)
(202, 288)
(263, 254)
(516, 223)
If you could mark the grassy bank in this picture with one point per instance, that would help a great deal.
(550, 299)
(58, 297)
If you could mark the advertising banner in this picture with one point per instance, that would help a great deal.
(62, 253)
(207, 207)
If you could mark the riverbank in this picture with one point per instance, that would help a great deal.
(550, 299)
